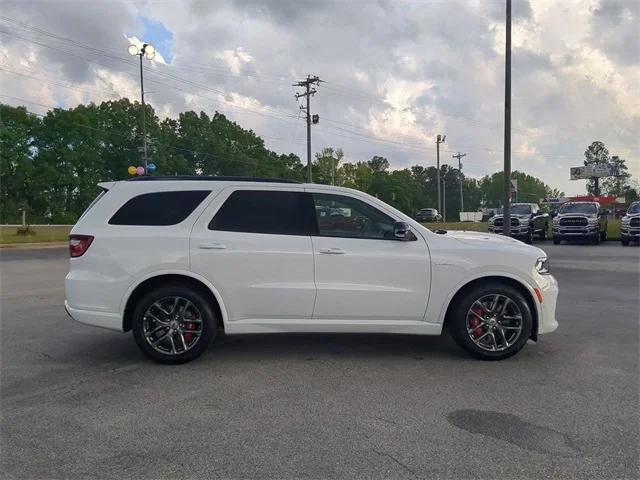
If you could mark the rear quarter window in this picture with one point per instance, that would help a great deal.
(159, 208)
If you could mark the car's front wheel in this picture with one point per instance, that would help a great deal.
(173, 324)
(492, 322)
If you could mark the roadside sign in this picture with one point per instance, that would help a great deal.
(592, 171)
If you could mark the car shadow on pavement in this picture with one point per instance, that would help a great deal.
(121, 349)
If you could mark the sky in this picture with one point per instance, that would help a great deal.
(395, 74)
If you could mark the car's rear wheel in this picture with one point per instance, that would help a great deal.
(173, 324)
(492, 322)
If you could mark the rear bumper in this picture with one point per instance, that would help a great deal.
(111, 321)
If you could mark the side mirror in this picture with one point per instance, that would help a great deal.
(402, 232)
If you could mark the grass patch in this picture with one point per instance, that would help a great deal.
(40, 235)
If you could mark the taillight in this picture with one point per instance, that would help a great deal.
(78, 244)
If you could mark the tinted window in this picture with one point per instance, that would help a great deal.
(341, 216)
(158, 208)
(262, 211)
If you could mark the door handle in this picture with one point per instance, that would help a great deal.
(212, 246)
(332, 251)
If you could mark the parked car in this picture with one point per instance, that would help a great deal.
(527, 220)
(176, 260)
(630, 225)
(580, 220)
(428, 215)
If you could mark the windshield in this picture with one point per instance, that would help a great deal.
(520, 209)
(586, 208)
(634, 208)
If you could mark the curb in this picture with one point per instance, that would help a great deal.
(34, 246)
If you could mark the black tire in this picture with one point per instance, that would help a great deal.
(603, 236)
(556, 241)
(595, 239)
(529, 238)
(543, 232)
(625, 242)
(457, 320)
(206, 315)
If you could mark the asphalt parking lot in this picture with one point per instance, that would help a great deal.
(80, 402)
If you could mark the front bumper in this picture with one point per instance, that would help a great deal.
(589, 230)
(632, 233)
(520, 231)
(547, 321)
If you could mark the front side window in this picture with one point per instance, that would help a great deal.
(264, 211)
(159, 208)
(342, 216)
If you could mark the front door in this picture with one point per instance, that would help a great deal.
(362, 272)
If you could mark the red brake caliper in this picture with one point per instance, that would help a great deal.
(474, 322)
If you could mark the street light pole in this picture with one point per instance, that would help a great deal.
(149, 52)
(507, 126)
(439, 139)
(144, 116)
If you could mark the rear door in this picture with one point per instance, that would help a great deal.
(362, 272)
(253, 245)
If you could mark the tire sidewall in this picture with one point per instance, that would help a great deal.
(209, 322)
(458, 328)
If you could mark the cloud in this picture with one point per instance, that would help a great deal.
(397, 73)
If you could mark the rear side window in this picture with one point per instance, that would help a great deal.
(263, 211)
(159, 208)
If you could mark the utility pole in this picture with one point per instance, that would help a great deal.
(459, 157)
(507, 125)
(439, 139)
(444, 199)
(309, 91)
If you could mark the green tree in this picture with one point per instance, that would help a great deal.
(17, 128)
(326, 166)
(595, 154)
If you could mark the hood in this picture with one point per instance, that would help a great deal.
(493, 241)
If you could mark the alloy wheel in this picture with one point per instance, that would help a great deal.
(494, 322)
(172, 325)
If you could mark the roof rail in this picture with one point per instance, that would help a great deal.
(211, 178)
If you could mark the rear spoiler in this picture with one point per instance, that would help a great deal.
(106, 186)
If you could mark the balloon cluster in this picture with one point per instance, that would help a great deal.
(140, 170)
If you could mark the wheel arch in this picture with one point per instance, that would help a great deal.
(512, 282)
(148, 283)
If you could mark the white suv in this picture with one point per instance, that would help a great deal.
(178, 259)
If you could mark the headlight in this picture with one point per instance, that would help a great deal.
(556, 221)
(542, 265)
